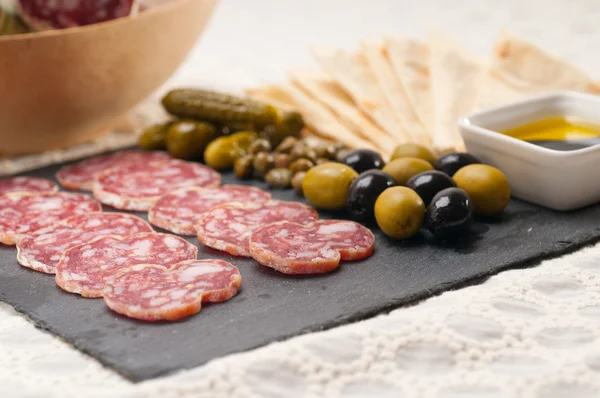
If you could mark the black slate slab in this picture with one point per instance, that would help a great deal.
(274, 307)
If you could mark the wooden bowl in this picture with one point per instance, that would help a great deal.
(64, 87)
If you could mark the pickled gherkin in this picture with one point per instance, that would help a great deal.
(219, 107)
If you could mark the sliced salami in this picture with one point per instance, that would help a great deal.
(81, 175)
(41, 250)
(179, 211)
(228, 227)
(315, 248)
(26, 184)
(83, 269)
(154, 292)
(137, 186)
(24, 213)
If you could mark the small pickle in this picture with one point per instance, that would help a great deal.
(242, 167)
(279, 178)
(301, 165)
(282, 160)
(187, 139)
(286, 145)
(263, 162)
(259, 145)
(297, 181)
(154, 137)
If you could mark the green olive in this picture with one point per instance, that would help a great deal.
(263, 162)
(155, 137)
(301, 165)
(486, 185)
(282, 160)
(325, 186)
(187, 139)
(242, 167)
(286, 145)
(297, 181)
(403, 169)
(279, 178)
(259, 145)
(399, 212)
(411, 150)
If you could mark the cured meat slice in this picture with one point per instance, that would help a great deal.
(59, 14)
(178, 211)
(228, 227)
(83, 269)
(154, 292)
(315, 248)
(26, 184)
(23, 213)
(137, 186)
(41, 250)
(81, 175)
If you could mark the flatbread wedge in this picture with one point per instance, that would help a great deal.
(351, 72)
(392, 88)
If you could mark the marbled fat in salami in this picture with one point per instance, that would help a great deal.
(228, 227)
(26, 184)
(179, 211)
(154, 292)
(136, 187)
(24, 213)
(315, 248)
(42, 250)
(84, 269)
(81, 175)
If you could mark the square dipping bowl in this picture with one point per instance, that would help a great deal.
(559, 180)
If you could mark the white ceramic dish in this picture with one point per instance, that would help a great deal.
(560, 180)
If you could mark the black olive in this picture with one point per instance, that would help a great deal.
(364, 191)
(363, 160)
(450, 214)
(450, 163)
(428, 183)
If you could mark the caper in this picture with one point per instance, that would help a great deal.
(303, 151)
(259, 145)
(263, 162)
(242, 167)
(297, 181)
(279, 178)
(341, 155)
(286, 145)
(325, 150)
(282, 160)
(322, 160)
(301, 165)
(238, 152)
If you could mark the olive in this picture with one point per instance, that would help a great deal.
(341, 155)
(364, 191)
(450, 214)
(187, 139)
(301, 165)
(242, 167)
(487, 186)
(297, 181)
(154, 137)
(403, 169)
(399, 212)
(263, 162)
(451, 162)
(221, 153)
(279, 178)
(428, 183)
(363, 160)
(281, 160)
(411, 150)
(260, 145)
(326, 186)
(286, 145)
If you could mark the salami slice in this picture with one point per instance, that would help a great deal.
(81, 175)
(83, 269)
(41, 250)
(315, 248)
(178, 211)
(26, 184)
(137, 186)
(24, 213)
(154, 292)
(228, 227)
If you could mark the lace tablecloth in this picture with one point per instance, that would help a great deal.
(523, 333)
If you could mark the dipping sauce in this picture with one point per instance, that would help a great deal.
(558, 133)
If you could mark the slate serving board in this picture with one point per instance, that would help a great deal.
(273, 307)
